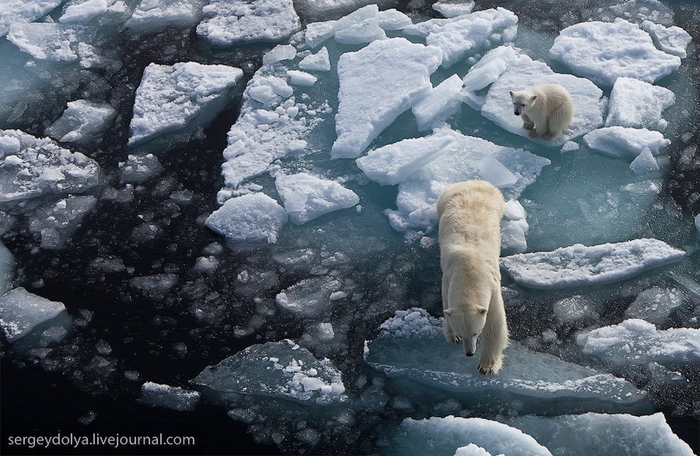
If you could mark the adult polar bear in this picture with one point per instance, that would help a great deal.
(470, 244)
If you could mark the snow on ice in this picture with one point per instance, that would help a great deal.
(21, 11)
(172, 397)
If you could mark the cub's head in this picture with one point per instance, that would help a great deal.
(522, 100)
(467, 324)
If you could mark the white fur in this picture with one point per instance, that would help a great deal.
(470, 244)
(546, 110)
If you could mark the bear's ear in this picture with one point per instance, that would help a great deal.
(447, 312)
(534, 97)
(483, 310)
(511, 94)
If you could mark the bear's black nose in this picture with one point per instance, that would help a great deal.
(517, 113)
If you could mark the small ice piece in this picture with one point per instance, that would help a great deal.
(580, 265)
(310, 297)
(623, 142)
(32, 167)
(251, 217)
(21, 311)
(319, 61)
(19, 11)
(307, 197)
(470, 33)
(280, 53)
(171, 97)
(575, 309)
(392, 19)
(405, 351)
(492, 170)
(56, 222)
(154, 15)
(54, 42)
(441, 103)
(636, 341)
(673, 40)
(301, 78)
(656, 304)
(155, 286)
(7, 269)
(645, 163)
(81, 122)
(450, 9)
(446, 436)
(597, 433)
(697, 223)
(172, 397)
(360, 26)
(471, 450)
(368, 102)
(317, 33)
(522, 71)
(486, 71)
(227, 22)
(638, 104)
(604, 51)
(139, 168)
(80, 12)
(514, 226)
(274, 370)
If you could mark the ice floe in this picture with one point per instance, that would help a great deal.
(251, 217)
(19, 11)
(21, 311)
(56, 42)
(172, 97)
(625, 142)
(153, 15)
(405, 350)
(274, 369)
(32, 167)
(638, 104)
(172, 397)
(604, 51)
(82, 122)
(307, 197)
(580, 265)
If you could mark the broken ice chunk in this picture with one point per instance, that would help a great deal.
(251, 217)
(227, 22)
(172, 397)
(18, 11)
(405, 351)
(171, 97)
(604, 51)
(31, 167)
(81, 122)
(360, 26)
(310, 297)
(645, 163)
(656, 304)
(638, 104)
(319, 61)
(153, 15)
(622, 142)
(54, 42)
(445, 436)
(514, 226)
(441, 103)
(139, 168)
(673, 40)
(596, 433)
(636, 341)
(7, 269)
(368, 102)
(580, 265)
(56, 222)
(307, 197)
(21, 311)
(281, 370)
(450, 9)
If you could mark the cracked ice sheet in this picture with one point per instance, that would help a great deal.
(16, 11)
(511, 70)
(55, 42)
(368, 102)
(32, 167)
(170, 97)
(580, 265)
(405, 351)
(424, 166)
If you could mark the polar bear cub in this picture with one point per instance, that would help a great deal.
(546, 110)
(470, 244)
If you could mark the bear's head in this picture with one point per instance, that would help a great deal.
(522, 101)
(467, 324)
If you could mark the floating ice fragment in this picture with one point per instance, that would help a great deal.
(623, 142)
(227, 22)
(673, 40)
(172, 397)
(274, 369)
(19, 11)
(153, 15)
(7, 269)
(450, 9)
(655, 304)
(279, 53)
(309, 297)
(56, 222)
(595, 433)
(319, 61)
(359, 27)
(21, 311)
(445, 437)
(636, 341)
(604, 51)
(441, 103)
(301, 78)
(307, 197)
(171, 97)
(580, 265)
(638, 104)
(251, 217)
(370, 101)
(645, 163)
(81, 122)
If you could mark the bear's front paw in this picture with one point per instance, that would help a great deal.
(528, 125)
(533, 134)
(489, 367)
(547, 136)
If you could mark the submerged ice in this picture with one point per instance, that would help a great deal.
(337, 123)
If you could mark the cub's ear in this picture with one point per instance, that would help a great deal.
(447, 312)
(511, 94)
(534, 97)
(483, 310)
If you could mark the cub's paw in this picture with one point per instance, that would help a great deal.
(548, 136)
(489, 367)
(528, 125)
(533, 134)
